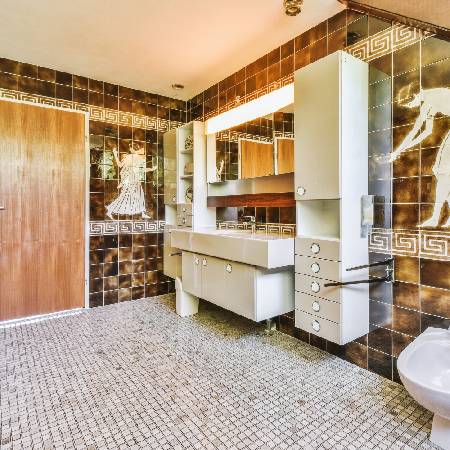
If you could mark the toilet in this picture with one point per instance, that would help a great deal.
(424, 368)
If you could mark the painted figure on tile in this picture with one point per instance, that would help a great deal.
(431, 102)
(131, 199)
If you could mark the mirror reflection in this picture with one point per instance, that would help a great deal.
(258, 148)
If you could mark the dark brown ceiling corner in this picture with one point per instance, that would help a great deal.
(430, 15)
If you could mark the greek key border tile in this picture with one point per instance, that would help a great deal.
(96, 113)
(423, 244)
(277, 228)
(102, 227)
(386, 41)
(234, 136)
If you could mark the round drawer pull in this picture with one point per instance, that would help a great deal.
(205, 262)
(301, 190)
(229, 268)
(315, 325)
(315, 248)
(196, 261)
(316, 306)
(315, 286)
(315, 268)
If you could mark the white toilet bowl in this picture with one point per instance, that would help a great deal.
(424, 368)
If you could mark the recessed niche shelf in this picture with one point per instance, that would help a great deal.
(319, 218)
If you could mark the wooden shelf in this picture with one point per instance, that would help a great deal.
(272, 199)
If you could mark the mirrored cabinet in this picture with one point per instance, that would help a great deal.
(258, 148)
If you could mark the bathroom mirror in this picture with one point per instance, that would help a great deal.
(258, 148)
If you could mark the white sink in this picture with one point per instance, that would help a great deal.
(257, 249)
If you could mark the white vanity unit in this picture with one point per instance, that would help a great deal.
(331, 176)
(185, 190)
(247, 273)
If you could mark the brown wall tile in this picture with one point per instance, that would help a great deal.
(406, 295)
(435, 273)
(435, 301)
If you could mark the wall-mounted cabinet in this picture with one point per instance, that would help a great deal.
(185, 187)
(331, 134)
(249, 291)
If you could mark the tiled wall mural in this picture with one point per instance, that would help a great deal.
(409, 79)
(126, 128)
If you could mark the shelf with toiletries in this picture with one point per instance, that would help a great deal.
(185, 187)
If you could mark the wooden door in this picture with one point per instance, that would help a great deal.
(42, 225)
(285, 155)
(256, 159)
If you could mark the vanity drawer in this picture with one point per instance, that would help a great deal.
(316, 267)
(315, 286)
(318, 326)
(318, 306)
(184, 220)
(184, 209)
(319, 248)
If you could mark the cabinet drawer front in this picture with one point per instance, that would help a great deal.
(319, 248)
(184, 220)
(315, 286)
(318, 326)
(184, 209)
(230, 285)
(318, 306)
(320, 268)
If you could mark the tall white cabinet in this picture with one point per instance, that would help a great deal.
(331, 176)
(185, 187)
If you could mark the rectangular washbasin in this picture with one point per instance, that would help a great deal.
(258, 249)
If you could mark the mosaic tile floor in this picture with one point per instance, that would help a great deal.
(137, 376)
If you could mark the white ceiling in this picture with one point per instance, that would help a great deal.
(151, 44)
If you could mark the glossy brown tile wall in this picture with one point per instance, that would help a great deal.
(123, 266)
(405, 189)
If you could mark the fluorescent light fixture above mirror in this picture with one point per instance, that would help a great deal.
(259, 107)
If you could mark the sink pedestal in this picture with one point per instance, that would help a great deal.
(186, 304)
(440, 432)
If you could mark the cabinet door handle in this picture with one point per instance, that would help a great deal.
(301, 191)
(315, 286)
(2, 208)
(196, 261)
(229, 268)
(315, 248)
(204, 262)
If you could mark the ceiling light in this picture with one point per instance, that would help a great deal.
(292, 7)
(259, 107)
(177, 86)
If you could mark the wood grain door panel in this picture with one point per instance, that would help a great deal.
(42, 229)
(256, 159)
(285, 155)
